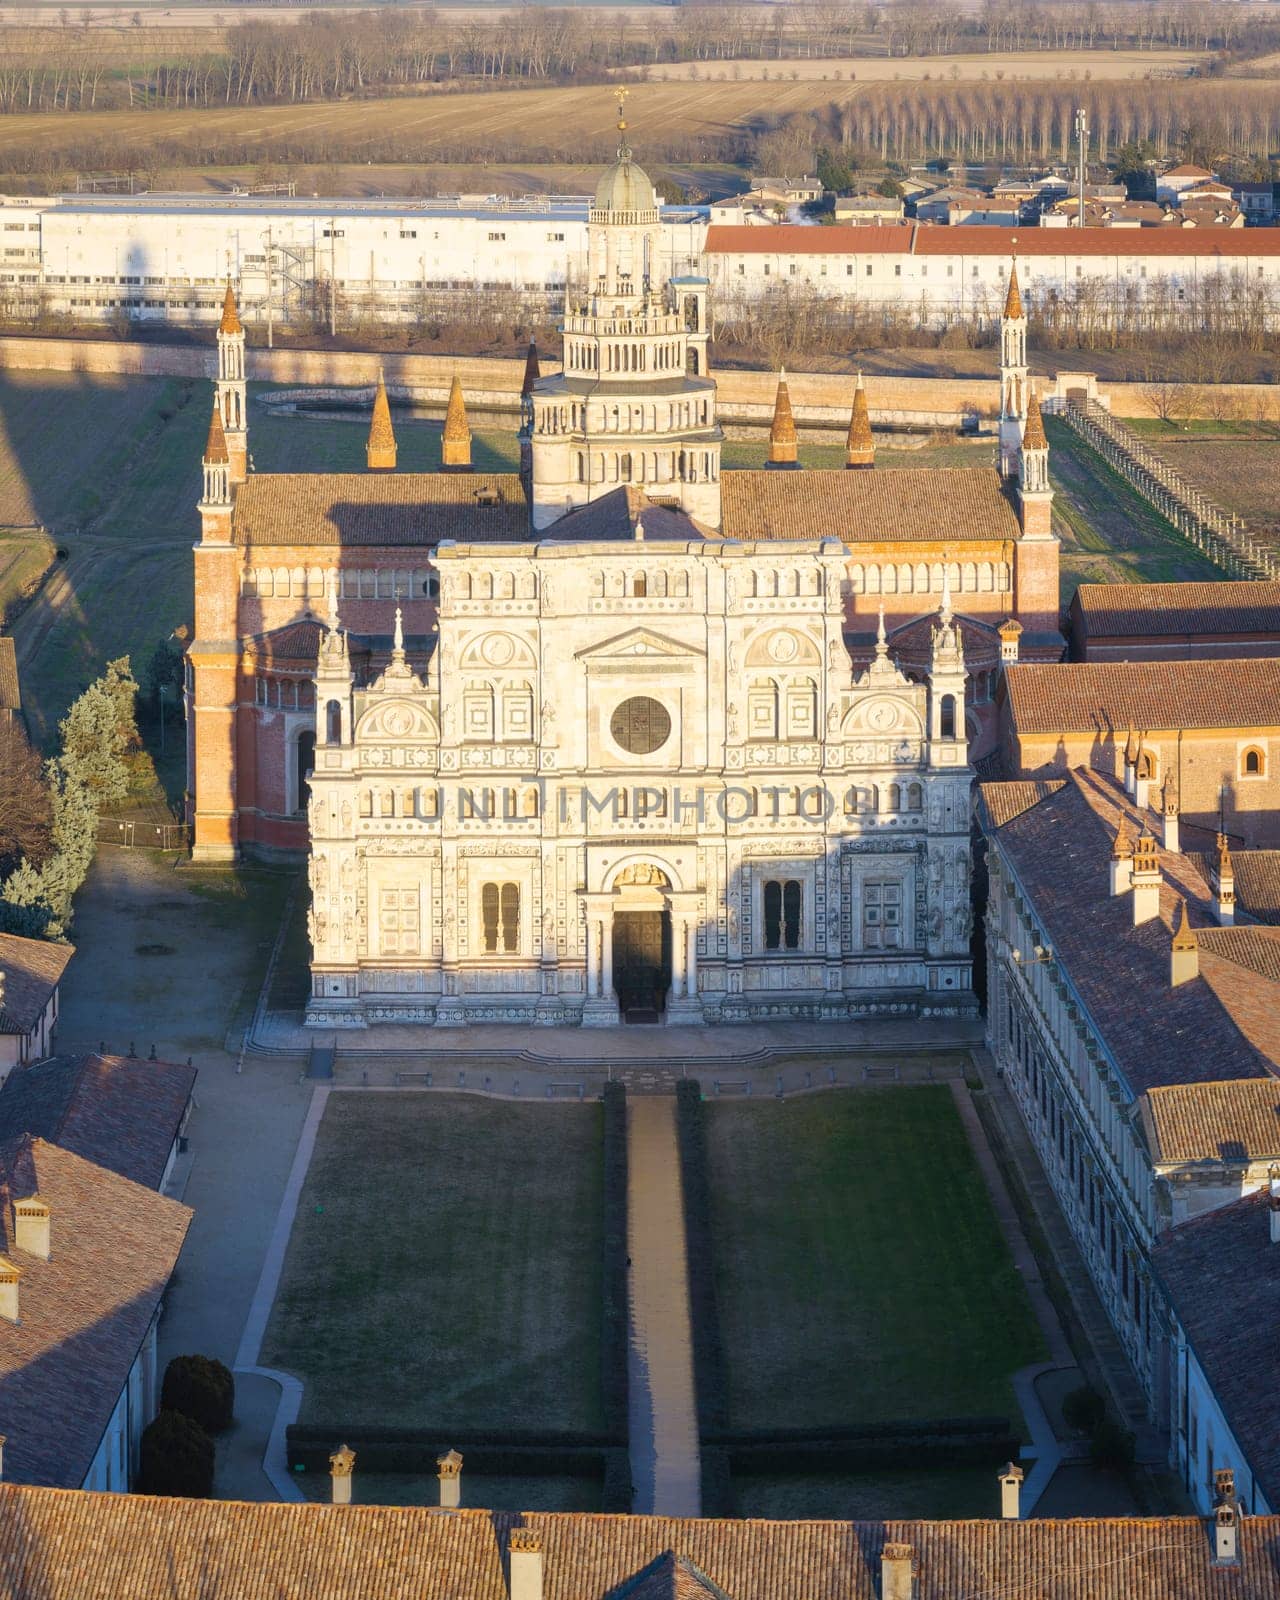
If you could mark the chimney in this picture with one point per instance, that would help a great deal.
(449, 1467)
(341, 1465)
(1224, 884)
(1130, 761)
(1273, 1203)
(31, 1226)
(1145, 879)
(1122, 859)
(1226, 1519)
(10, 1272)
(1141, 782)
(524, 1552)
(1184, 955)
(1010, 632)
(1010, 1491)
(896, 1573)
(1169, 812)
(2, 1444)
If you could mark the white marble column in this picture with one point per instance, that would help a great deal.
(679, 950)
(606, 929)
(593, 957)
(691, 964)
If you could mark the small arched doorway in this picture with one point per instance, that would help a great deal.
(642, 943)
(306, 753)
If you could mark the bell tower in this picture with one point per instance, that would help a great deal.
(633, 405)
(230, 388)
(1013, 375)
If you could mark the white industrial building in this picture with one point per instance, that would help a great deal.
(165, 257)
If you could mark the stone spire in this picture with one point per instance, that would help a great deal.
(1033, 437)
(1034, 494)
(532, 371)
(1184, 954)
(1013, 298)
(230, 313)
(380, 452)
(215, 449)
(782, 434)
(859, 446)
(215, 501)
(455, 447)
(1013, 373)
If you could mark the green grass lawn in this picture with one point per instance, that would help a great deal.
(25, 557)
(444, 1268)
(861, 1273)
(943, 1493)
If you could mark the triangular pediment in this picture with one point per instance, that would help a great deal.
(639, 644)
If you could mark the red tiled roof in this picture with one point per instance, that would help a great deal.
(1005, 801)
(1233, 1121)
(62, 1546)
(1080, 697)
(32, 970)
(948, 504)
(976, 239)
(1125, 610)
(387, 508)
(83, 1314)
(122, 1114)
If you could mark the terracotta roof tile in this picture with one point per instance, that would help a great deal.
(617, 514)
(1159, 610)
(978, 239)
(926, 503)
(1004, 801)
(782, 430)
(407, 508)
(230, 315)
(1217, 1027)
(215, 449)
(83, 1313)
(1220, 1271)
(1235, 1121)
(120, 1113)
(1080, 697)
(32, 970)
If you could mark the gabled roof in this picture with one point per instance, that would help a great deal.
(61, 1546)
(123, 1114)
(976, 240)
(32, 970)
(617, 515)
(1158, 610)
(1222, 1274)
(950, 504)
(83, 1313)
(401, 508)
(1105, 696)
(1236, 1121)
(1219, 1026)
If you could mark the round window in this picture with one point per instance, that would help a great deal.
(640, 725)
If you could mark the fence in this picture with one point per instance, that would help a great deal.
(143, 834)
(1218, 534)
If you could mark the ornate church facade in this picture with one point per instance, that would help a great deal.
(603, 739)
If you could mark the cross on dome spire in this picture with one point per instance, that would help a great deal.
(624, 150)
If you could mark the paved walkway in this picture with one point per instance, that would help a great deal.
(665, 1470)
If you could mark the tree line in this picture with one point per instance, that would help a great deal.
(323, 56)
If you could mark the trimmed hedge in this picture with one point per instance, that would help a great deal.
(915, 1431)
(615, 1493)
(519, 1454)
(176, 1458)
(200, 1388)
(614, 1383)
(860, 1455)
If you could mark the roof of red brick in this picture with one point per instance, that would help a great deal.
(1126, 610)
(1005, 801)
(1217, 1027)
(61, 1546)
(976, 239)
(1220, 1272)
(954, 504)
(1236, 1121)
(83, 1314)
(32, 970)
(356, 508)
(123, 1114)
(1080, 697)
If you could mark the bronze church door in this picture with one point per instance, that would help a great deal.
(642, 963)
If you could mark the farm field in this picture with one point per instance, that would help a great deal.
(418, 1291)
(1109, 533)
(1026, 64)
(25, 556)
(860, 1271)
(1242, 475)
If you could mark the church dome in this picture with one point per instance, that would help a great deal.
(624, 186)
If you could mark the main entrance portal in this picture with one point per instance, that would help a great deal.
(642, 963)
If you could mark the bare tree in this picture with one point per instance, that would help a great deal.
(24, 800)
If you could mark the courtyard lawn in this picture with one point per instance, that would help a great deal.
(860, 1270)
(445, 1265)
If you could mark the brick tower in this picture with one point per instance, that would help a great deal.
(213, 658)
(1013, 375)
(230, 387)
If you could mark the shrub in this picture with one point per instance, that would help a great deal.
(1111, 1446)
(200, 1388)
(614, 1384)
(177, 1458)
(1083, 1409)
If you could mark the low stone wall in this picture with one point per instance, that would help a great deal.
(491, 384)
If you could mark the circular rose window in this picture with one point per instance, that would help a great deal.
(640, 725)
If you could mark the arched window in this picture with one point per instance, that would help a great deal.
(1253, 764)
(306, 755)
(915, 797)
(947, 717)
(333, 722)
(895, 797)
(500, 914)
(783, 904)
(639, 585)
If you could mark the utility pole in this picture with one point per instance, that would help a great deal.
(1082, 141)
